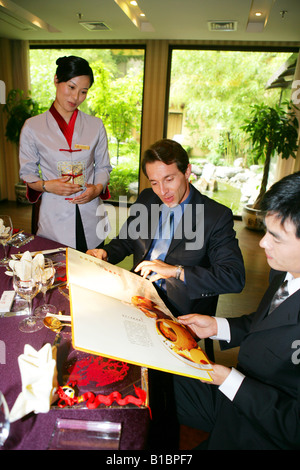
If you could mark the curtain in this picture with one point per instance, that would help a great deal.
(14, 72)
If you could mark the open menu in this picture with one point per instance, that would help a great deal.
(118, 314)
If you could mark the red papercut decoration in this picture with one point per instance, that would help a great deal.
(97, 369)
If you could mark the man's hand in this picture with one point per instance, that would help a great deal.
(98, 253)
(160, 269)
(203, 326)
(218, 374)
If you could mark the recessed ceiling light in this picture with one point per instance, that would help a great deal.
(258, 13)
(134, 13)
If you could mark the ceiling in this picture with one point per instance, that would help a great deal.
(40, 20)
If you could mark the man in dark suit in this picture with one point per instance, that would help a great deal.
(196, 262)
(257, 405)
(186, 243)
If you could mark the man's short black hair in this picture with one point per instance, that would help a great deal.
(283, 200)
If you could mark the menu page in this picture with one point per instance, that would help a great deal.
(117, 314)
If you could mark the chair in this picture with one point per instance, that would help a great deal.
(35, 216)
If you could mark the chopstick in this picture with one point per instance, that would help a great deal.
(14, 235)
(60, 284)
(60, 317)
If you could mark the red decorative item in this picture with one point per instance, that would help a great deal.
(98, 370)
(67, 397)
(106, 195)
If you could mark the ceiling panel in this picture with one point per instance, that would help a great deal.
(169, 19)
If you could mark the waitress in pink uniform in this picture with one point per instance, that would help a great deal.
(64, 161)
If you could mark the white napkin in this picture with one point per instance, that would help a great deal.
(4, 231)
(27, 266)
(39, 381)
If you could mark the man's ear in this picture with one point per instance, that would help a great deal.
(188, 171)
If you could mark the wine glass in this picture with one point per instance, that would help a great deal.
(4, 420)
(28, 287)
(6, 230)
(47, 279)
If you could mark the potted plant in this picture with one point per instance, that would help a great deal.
(271, 130)
(18, 109)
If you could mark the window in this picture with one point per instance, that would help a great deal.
(211, 92)
(115, 97)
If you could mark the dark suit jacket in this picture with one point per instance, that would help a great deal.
(214, 268)
(265, 413)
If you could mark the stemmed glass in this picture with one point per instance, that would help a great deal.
(6, 230)
(4, 420)
(28, 288)
(47, 279)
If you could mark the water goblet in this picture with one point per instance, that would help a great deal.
(27, 288)
(47, 279)
(6, 230)
(4, 420)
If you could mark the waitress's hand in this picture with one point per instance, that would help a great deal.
(91, 192)
(59, 186)
(62, 187)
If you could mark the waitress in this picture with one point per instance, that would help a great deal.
(64, 161)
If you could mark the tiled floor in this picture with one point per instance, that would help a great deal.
(229, 305)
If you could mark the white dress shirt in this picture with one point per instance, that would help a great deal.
(232, 383)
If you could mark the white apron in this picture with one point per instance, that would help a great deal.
(42, 144)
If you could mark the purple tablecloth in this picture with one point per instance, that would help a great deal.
(34, 431)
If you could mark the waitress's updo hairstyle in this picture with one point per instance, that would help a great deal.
(72, 66)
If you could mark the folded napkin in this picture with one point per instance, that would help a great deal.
(27, 266)
(4, 231)
(39, 381)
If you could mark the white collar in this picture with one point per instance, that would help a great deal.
(293, 283)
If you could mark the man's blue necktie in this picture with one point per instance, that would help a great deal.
(166, 234)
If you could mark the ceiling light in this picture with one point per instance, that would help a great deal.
(15, 13)
(133, 12)
(258, 15)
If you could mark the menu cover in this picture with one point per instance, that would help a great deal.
(118, 314)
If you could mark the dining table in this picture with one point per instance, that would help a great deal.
(69, 425)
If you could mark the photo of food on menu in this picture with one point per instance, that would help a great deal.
(117, 314)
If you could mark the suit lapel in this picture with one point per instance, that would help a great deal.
(264, 305)
(286, 313)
